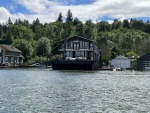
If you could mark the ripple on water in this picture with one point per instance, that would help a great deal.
(48, 91)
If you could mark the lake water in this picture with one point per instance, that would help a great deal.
(48, 91)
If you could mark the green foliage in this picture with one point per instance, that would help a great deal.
(24, 46)
(43, 46)
(119, 38)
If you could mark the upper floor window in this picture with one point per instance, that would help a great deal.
(66, 45)
(91, 45)
(85, 45)
(75, 45)
(81, 44)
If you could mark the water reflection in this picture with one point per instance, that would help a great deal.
(46, 91)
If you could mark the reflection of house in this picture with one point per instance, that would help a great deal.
(10, 56)
(121, 62)
(144, 62)
(78, 53)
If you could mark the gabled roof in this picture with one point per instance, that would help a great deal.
(64, 40)
(9, 48)
(144, 56)
(121, 58)
(74, 37)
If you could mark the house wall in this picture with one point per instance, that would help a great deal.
(140, 61)
(121, 63)
(79, 47)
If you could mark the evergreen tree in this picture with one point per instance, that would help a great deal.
(69, 16)
(9, 21)
(60, 17)
(126, 23)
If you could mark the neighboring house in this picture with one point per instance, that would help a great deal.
(78, 53)
(121, 62)
(143, 62)
(10, 56)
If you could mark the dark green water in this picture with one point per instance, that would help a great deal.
(48, 91)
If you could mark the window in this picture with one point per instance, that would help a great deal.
(69, 54)
(146, 64)
(77, 45)
(12, 59)
(81, 45)
(91, 46)
(66, 45)
(71, 45)
(77, 54)
(74, 45)
(17, 60)
(82, 54)
(0, 59)
(85, 45)
(0, 50)
(6, 59)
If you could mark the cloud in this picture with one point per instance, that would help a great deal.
(48, 10)
(4, 14)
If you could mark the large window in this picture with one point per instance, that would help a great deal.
(77, 54)
(69, 54)
(75, 45)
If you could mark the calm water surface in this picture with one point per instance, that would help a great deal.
(48, 91)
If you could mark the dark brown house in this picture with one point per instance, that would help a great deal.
(10, 56)
(78, 53)
(143, 62)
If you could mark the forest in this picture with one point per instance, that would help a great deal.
(127, 37)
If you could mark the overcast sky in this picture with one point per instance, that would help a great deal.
(96, 10)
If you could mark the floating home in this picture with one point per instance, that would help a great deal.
(10, 56)
(78, 53)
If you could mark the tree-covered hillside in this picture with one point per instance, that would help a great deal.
(36, 39)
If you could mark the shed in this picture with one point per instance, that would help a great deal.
(121, 62)
(143, 62)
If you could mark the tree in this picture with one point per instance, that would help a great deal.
(103, 26)
(116, 24)
(25, 48)
(60, 17)
(9, 21)
(43, 46)
(1, 31)
(69, 16)
(76, 21)
(88, 29)
(126, 23)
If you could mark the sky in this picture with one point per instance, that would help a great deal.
(96, 10)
